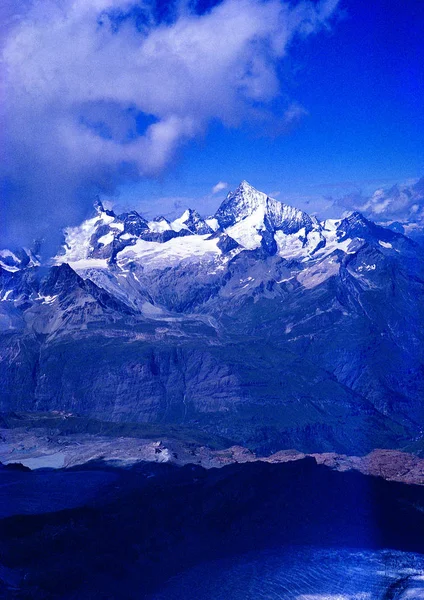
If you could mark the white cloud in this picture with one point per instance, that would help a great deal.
(403, 203)
(291, 117)
(76, 83)
(221, 185)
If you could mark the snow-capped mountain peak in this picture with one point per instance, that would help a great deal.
(134, 223)
(238, 205)
(246, 201)
(247, 219)
(191, 220)
(252, 218)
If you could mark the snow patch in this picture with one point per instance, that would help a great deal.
(330, 224)
(172, 252)
(213, 224)
(46, 299)
(88, 263)
(8, 267)
(317, 274)
(151, 310)
(117, 225)
(77, 239)
(289, 246)
(106, 239)
(159, 226)
(246, 231)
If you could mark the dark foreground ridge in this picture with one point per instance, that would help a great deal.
(57, 440)
(127, 531)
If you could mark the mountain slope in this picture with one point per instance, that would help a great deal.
(260, 324)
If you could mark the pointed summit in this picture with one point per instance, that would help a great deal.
(271, 214)
(100, 209)
(98, 205)
(240, 204)
(61, 279)
(191, 220)
(252, 218)
(134, 224)
(245, 185)
(357, 226)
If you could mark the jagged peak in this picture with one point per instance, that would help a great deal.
(355, 225)
(251, 198)
(245, 185)
(246, 200)
(191, 220)
(192, 212)
(355, 222)
(246, 188)
(100, 209)
(239, 204)
(98, 205)
(356, 217)
(60, 278)
(133, 215)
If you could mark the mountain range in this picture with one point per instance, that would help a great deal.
(261, 325)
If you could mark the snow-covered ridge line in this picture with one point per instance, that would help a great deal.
(247, 219)
(247, 216)
(20, 259)
(123, 254)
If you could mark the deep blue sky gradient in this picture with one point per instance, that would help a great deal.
(362, 84)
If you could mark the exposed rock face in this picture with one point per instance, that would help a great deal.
(246, 201)
(193, 222)
(274, 331)
(19, 259)
(388, 464)
(61, 440)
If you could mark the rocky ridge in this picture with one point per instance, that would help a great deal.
(55, 447)
(260, 324)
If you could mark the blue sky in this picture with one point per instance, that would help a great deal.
(151, 103)
(362, 85)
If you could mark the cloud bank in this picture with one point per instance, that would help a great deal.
(98, 92)
(402, 203)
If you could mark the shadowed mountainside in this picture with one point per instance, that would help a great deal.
(260, 325)
(132, 529)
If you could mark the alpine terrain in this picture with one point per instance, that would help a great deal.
(260, 325)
